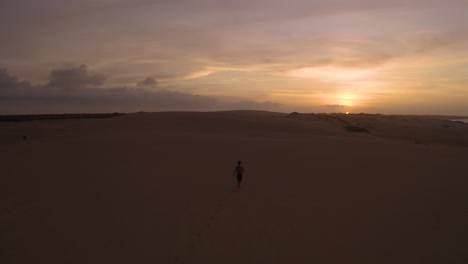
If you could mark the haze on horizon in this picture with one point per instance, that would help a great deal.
(402, 57)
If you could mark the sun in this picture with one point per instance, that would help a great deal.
(347, 99)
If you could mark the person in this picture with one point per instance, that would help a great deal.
(238, 171)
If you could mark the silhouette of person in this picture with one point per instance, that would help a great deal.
(238, 172)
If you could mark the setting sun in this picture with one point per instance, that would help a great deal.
(347, 99)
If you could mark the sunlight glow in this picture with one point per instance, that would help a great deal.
(332, 73)
(347, 99)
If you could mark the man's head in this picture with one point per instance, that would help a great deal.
(239, 162)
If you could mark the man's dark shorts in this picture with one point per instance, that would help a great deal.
(239, 177)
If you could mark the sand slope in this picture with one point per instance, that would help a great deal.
(158, 188)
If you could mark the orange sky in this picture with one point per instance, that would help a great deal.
(309, 56)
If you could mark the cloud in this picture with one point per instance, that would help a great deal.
(72, 78)
(335, 106)
(11, 87)
(8, 81)
(148, 82)
(60, 95)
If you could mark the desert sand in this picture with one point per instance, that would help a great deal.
(159, 188)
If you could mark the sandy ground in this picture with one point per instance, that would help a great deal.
(158, 188)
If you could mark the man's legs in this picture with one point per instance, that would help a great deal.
(239, 180)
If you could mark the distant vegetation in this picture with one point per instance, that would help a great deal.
(20, 118)
(293, 114)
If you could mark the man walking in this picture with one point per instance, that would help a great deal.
(238, 171)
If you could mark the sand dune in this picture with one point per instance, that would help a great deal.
(158, 188)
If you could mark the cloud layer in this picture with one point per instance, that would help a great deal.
(74, 78)
(76, 90)
(148, 82)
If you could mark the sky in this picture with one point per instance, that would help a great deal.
(390, 57)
